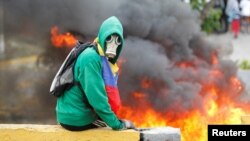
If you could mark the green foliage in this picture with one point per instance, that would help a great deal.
(245, 65)
(212, 21)
(197, 4)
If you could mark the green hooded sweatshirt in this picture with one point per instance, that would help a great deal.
(71, 108)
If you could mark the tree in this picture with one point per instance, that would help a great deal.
(209, 15)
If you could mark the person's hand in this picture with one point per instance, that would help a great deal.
(127, 124)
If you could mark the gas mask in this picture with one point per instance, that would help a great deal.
(112, 42)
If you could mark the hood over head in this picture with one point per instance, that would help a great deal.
(110, 26)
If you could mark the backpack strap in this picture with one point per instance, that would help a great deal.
(77, 83)
(94, 44)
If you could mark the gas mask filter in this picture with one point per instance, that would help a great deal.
(112, 43)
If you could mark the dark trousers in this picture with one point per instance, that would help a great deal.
(96, 124)
(78, 128)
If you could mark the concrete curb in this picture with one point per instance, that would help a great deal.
(28, 132)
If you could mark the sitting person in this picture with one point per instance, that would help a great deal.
(97, 72)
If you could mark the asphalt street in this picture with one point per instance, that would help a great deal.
(236, 49)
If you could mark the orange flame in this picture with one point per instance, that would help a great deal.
(120, 62)
(145, 83)
(185, 64)
(218, 106)
(62, 40)
(214, 58)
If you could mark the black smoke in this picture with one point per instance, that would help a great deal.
(160, 35)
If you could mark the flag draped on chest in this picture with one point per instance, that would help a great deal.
(110, 81)
(110, 77)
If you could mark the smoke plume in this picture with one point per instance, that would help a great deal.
(162, 36)
(164, 45)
